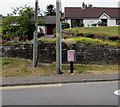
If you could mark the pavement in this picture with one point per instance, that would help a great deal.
(58, 79)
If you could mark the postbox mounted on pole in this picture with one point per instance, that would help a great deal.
(71, 57)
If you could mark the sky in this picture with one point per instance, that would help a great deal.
(6, 5)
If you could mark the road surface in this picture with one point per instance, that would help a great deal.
(98, 93)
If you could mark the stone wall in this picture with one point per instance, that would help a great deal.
(85, 53)
(18, 51)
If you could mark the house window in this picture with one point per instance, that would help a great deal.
(76, 23)
(104, 22)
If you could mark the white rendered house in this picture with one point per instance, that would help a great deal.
(92, 15)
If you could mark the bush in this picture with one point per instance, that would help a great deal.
(80, 34)
(65, 25)
(72, 41)
(95, 41)
(113, 38)
(102, 24)
(6, 37)
(81, 24)
(94, 24)
(89, 35)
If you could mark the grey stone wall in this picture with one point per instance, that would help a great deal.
(85, 53)
(17, 50)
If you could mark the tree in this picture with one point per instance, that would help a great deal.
(23, 25)
(50, 10)
(9, 27)
(26, 21)
(41, 21)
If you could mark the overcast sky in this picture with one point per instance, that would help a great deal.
(5, 5)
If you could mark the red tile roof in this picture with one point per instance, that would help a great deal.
(95, 12)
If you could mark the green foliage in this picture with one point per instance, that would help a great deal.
(101, 31)
(6, 61)
(102, 24)
(89, 35)
(73, 40)
(94, 24)
(8, 21)
(41, 22)
(50, 10)
(65, 67)
(81, 24)
(113, 38)
(12, 67)
(21, 25)
(95, 41)
(6, 37)
(65, 25)
(83, 69)
(42, 40)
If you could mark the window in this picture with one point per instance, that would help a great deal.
(77, 23)
(104, 22)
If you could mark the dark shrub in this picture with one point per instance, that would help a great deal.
(80, 34)
(89, 35)
(94, 24)
(113, 38)
(65, 25)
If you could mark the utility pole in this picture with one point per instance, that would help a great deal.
(35, 35)
(58, 38)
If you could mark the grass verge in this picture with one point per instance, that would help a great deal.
(23, 68)
(101, 31)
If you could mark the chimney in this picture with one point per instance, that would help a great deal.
(84, 6)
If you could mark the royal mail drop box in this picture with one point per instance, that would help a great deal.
(71, 55)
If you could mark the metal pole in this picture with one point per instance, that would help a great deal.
(71, 67)
(58, 39)
(35, 35)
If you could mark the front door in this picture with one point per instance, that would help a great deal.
(50, 29)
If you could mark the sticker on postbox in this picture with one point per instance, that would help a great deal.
(71, 56)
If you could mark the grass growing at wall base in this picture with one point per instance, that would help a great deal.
(23, 68)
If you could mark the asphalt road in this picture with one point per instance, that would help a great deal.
(99, 93)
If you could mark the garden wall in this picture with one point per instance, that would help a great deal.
(85, 53)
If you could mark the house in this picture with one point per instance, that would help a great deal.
(50, 24)
(77, 16)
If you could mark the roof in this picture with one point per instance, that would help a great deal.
(50, 19)
(94, 12)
